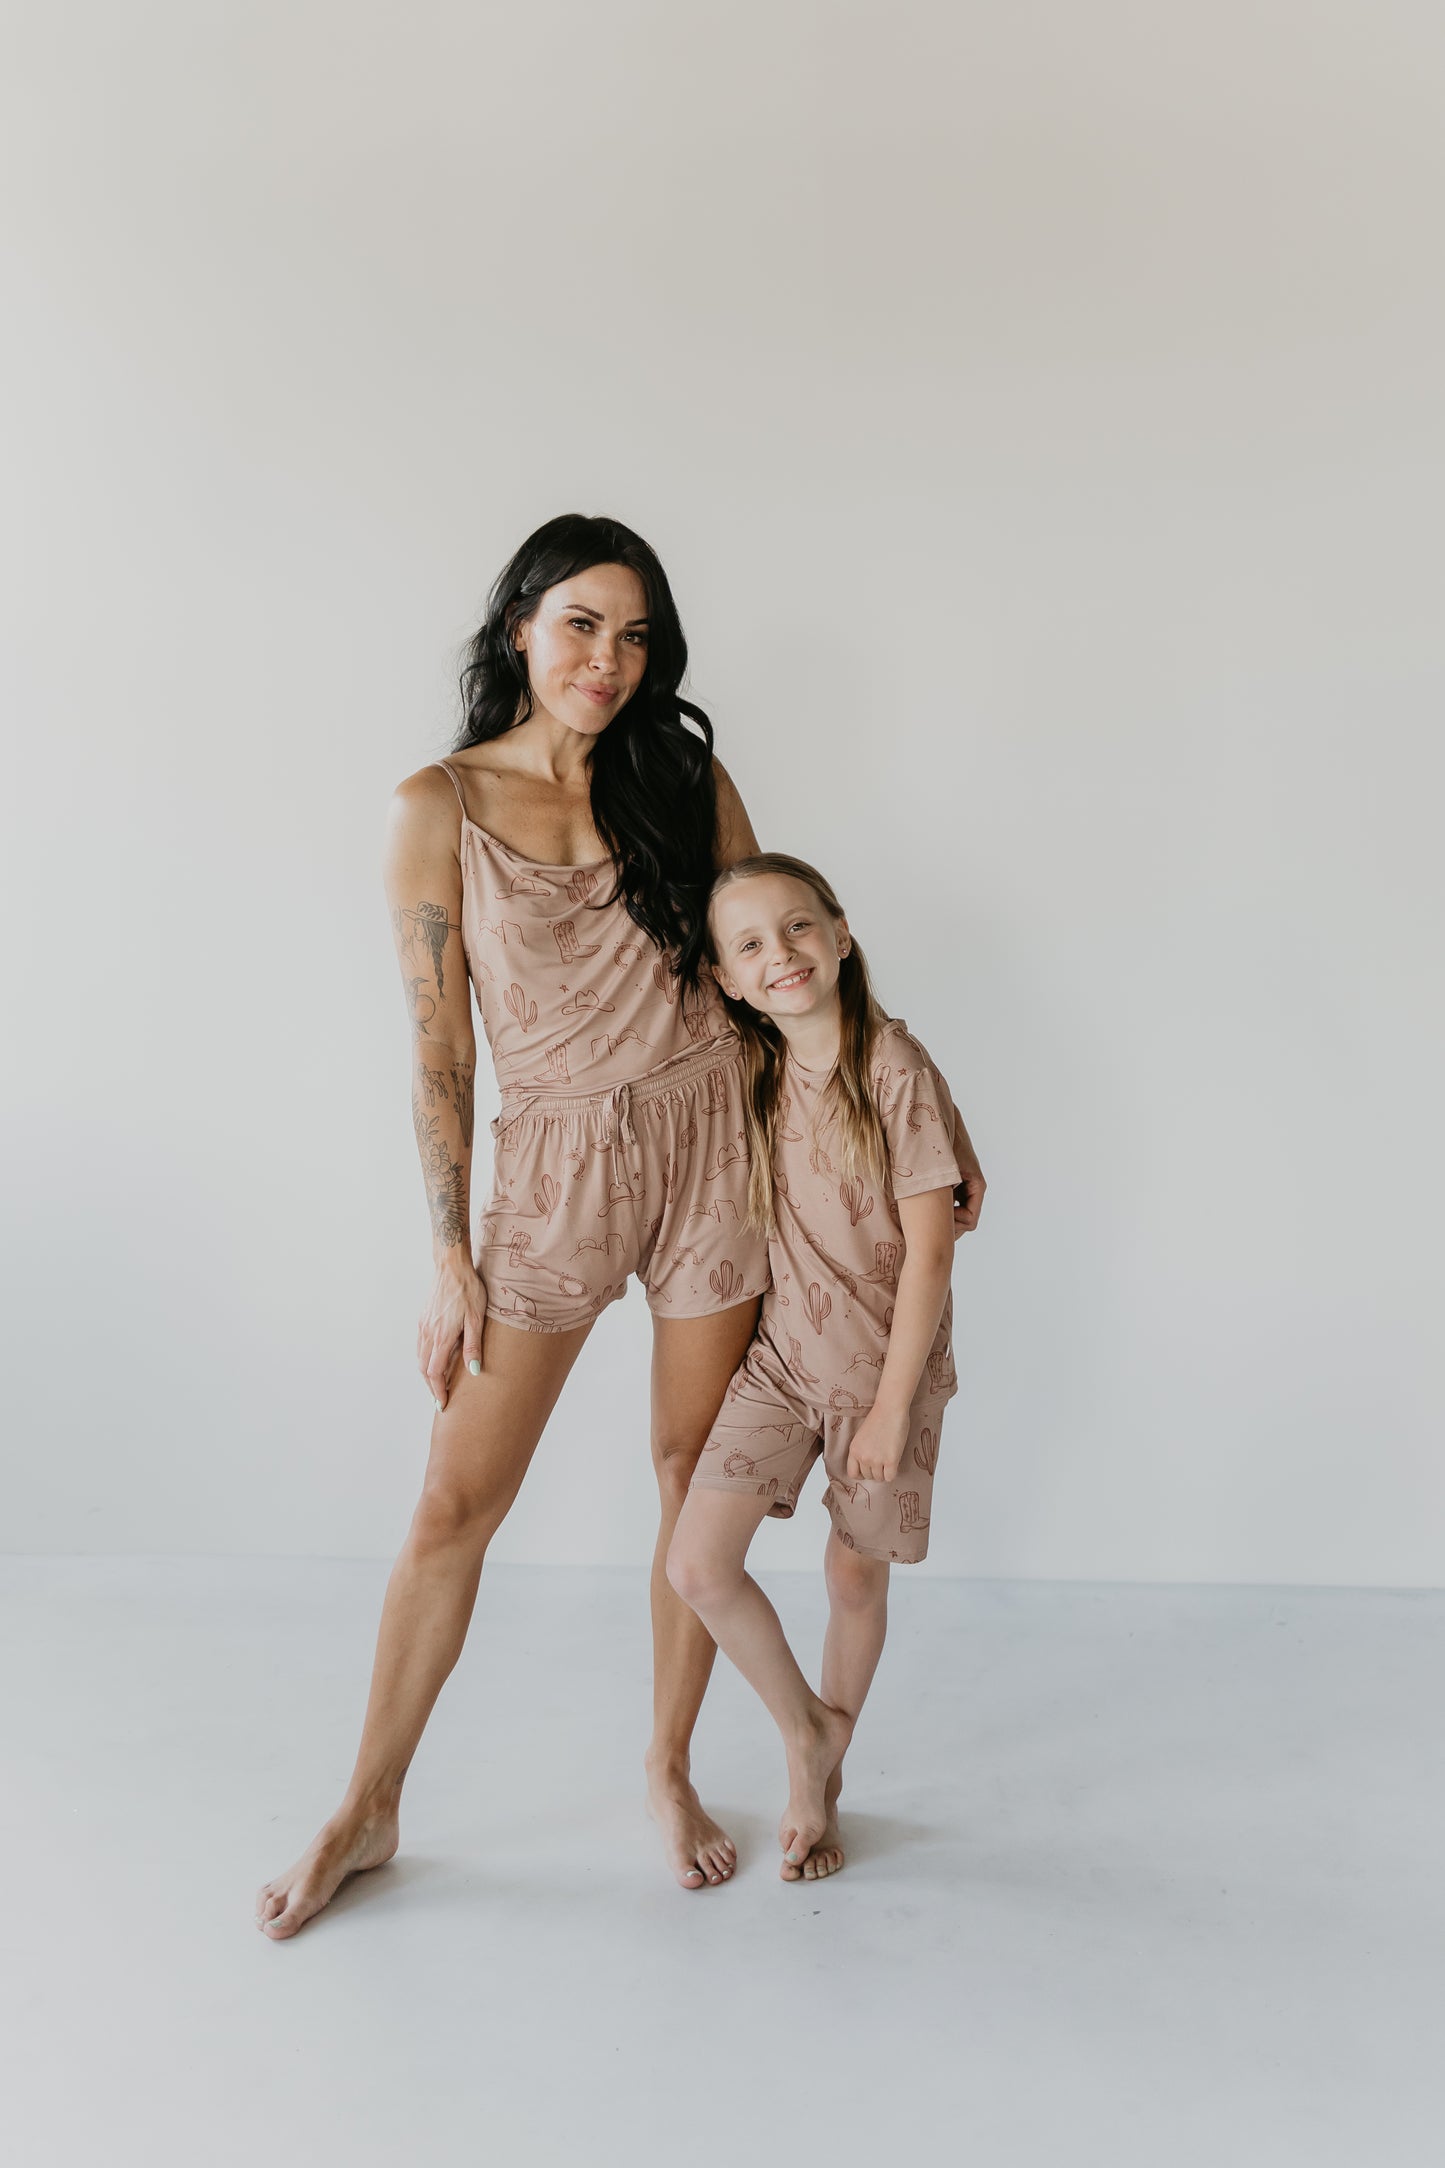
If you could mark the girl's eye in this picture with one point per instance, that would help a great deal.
(797, 923)
(746, 946)
(639, 638)
(583, 624)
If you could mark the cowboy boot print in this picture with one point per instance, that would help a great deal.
(717, 1099)
(564, 933)
(940, 1370)
(796, 1370)
(557, 1071)
(910, 1519)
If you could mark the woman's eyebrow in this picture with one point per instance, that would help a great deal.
(585, 609)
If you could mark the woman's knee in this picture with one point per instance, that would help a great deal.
(675, 1461)
(454, 1515)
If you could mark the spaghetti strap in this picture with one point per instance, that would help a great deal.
(447, 769)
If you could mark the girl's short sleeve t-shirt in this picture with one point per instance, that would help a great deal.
(838, 1247)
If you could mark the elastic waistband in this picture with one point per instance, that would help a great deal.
(519, 1099)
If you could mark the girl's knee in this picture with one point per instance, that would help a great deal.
(855, 1581)
(697, 1574)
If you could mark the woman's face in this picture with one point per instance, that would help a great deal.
(586, 647)
(776, 947)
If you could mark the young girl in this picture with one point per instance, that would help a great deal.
(853, 1174)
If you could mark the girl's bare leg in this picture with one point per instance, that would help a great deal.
(857, 1626)
(480, 1450)
(706, 1566)
(693, 1358)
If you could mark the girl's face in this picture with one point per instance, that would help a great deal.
(776, 947)
(586, 647)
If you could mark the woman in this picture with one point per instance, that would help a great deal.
(562, 862)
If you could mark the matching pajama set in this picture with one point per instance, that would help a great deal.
(620, 1146)
(812, 1371)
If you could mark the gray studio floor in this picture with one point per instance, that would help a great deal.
(1138, 1875)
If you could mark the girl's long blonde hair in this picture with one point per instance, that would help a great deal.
(848, 1093)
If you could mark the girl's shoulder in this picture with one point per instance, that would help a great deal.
(895, 1050)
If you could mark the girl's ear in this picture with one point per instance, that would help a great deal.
(843, 937)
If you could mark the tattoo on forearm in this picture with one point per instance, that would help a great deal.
(426, 927)
(423, 1007)
(445, 1177)
(463, 1074)
(433, 1084)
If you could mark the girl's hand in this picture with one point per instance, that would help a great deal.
(968, 1197)
(877, 1446)
(452, 1318)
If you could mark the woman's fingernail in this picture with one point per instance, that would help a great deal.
(475, 1367)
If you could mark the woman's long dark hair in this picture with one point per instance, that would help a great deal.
(653, 797)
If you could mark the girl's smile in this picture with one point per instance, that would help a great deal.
(779, 951)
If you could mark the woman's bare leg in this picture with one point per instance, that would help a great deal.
(480, 1450)
(693, 1358)
(857, 1627)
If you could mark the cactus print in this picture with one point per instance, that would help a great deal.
(769, 1434)
(835, 1261)
(839, 1247)
(607, 1183)
(616, 1095)
(570, 954)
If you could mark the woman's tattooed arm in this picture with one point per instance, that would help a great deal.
(434, 974)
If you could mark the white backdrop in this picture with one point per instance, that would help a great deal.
(1037, 409)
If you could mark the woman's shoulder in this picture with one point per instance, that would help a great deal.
(426, 802)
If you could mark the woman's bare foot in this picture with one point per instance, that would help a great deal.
(812, 1759)
(698, 1851)
(345, 1846)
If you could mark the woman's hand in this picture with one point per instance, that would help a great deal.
(451, 1320)
(968, 1197)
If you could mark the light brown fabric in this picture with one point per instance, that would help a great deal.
(650, 1177)
(768, 1435)
(838, 1246)
(812, 1372)
(572, 993)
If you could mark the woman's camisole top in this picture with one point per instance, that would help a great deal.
(574, 996)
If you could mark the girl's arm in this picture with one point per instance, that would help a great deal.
(424, 890)
(880, 1438)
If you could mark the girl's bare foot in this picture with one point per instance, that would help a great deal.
(826, 1856)
(812, 1759)
(349, 1845)
(698, 1851)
